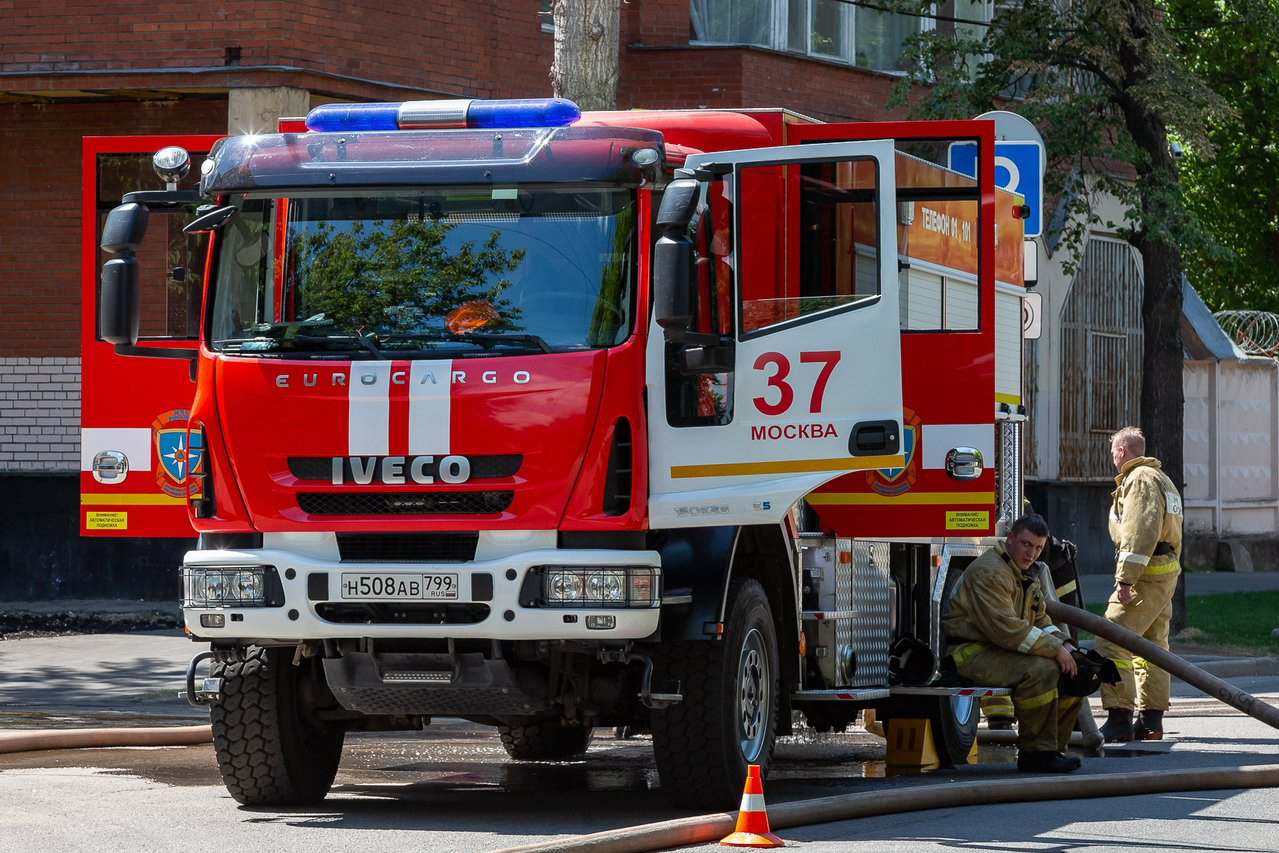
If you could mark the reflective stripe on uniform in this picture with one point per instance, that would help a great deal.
(964, 652)
(1031, 636)
(1140, 663)
(1122, 664)
(1036, 701)
(999, 706)
(1052, 629)
(752, 802)
(1133, 557)
(1063, 591)
(1165, 569)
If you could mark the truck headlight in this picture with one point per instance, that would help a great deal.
(225, 586)
(585, 586)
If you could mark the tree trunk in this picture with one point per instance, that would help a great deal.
(585, 67)
(1163, 400)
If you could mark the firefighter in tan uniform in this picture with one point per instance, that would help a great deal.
(1145, 524)
(999, 634)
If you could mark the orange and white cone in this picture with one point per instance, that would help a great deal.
(752, 818)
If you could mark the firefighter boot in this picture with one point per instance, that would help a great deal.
(1149, 726)
(1118, 727)
(1046, 762)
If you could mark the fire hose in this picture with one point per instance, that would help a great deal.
(709, 828)
(37, 739)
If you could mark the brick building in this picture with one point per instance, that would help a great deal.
(71, 69)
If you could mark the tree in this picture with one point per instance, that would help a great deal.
(1105, 83)
(1234, 186)
(585, 67)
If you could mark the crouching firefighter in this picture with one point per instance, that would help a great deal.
(999, 634)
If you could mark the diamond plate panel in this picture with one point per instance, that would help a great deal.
(870, 596)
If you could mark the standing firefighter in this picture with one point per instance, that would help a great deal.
(1000, 634)
(1145, 524)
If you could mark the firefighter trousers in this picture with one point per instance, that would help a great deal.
(1142, 687)
(1044, 719)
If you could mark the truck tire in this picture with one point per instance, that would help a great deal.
(728, 717)
(953, 720)
(269, 750)
(546, 741)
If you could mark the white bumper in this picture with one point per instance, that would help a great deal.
(300, 617)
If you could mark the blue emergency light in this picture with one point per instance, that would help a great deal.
(406, 115)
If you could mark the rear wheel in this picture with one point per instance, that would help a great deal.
(546, 741)
(270, 749)
(728, 717)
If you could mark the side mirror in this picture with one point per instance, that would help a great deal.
(118, 303)
(123, 231)
(673, 259)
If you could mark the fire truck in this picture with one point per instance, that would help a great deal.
(675, 422)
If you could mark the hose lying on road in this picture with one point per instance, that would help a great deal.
(706, 828)
(36, 739)
(1166, 660)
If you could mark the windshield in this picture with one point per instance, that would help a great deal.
(450, 273)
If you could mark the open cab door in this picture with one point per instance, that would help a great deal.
(774, 357)
(136, 464)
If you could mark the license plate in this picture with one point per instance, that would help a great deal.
(433, 586)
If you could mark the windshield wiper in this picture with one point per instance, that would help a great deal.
(290, 335)
(478, 338)
(519, 338)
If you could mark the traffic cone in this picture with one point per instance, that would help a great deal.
(752, 818)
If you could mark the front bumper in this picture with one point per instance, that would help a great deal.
(308, 603)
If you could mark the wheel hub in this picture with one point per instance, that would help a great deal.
(754, 701)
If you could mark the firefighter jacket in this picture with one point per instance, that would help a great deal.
(1145, 520)
(998, 604)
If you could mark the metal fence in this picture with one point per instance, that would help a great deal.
(1101, 356)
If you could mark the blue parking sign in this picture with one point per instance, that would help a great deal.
(1019, 168)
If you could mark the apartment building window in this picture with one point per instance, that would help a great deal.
(839, 30)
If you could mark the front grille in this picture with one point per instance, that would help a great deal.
(399, 613)
(404, 503)
(482, 467)
(407, 547)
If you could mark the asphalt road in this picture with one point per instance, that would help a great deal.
(452, 788)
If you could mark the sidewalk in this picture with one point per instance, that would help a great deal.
(1097, 587)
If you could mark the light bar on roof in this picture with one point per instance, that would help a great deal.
(405, 115)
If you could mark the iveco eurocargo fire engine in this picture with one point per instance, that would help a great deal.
(679, 422)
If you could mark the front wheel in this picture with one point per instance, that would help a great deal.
(270, 749)
(728, 717)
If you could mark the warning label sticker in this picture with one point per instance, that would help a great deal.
(967, 519)
(107, 520)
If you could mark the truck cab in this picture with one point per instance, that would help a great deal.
(553, 421)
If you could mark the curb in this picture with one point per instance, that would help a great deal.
(1239, 667)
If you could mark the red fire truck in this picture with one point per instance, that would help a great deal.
(674, 421)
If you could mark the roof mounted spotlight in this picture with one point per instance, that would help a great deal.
(406, 115)
(172, 164)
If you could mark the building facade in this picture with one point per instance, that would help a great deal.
(70, 69)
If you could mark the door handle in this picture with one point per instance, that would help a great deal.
(875, 438)
(964, 463)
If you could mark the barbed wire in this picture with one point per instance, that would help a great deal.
(1256, 332)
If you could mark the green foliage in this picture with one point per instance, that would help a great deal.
(1232, 185)
(400, 275)
(1104, 82)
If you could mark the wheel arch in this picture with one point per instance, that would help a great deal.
(703, 561)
